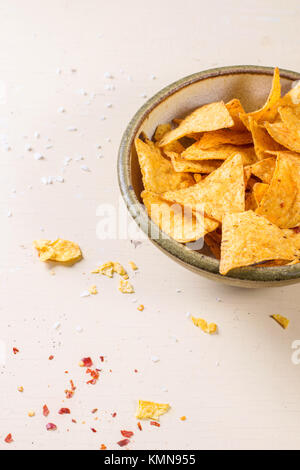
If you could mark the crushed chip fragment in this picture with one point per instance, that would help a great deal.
(151, 410)
(209, 328)
(283, 321)
(125, 287)
(62, 251)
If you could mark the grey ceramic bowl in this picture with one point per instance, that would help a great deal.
(251, 84)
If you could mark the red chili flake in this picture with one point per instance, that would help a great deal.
(103, 447)
(114, 415)
(136, 371)
(66, 371)
(51, 358)
(102, 358)
(51, 427)
(69, 394)
(154, 423)
(87, 362)
(94, 411)
(64, 411)
(139, 426)
(127, 433)
(8, 439)
(15, 351)
(123, 443)
(72, 385)
(46, 411)
(74, 421)
(93, 429)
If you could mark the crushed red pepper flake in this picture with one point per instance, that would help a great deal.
(64, 411)
(154, 423)
(51, 358)
(114, 415)
(128, 434)
(94, 411)
(15, 351)
(103, 447)
(74, 421)
(93, 430)
(139, 426)
(101, 358)
(9, 439)
(46, 411)
(51, 427)
(86, 362)
(123, 443)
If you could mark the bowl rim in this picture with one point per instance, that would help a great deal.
(194, 260)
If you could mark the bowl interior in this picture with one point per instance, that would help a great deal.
(249, 84)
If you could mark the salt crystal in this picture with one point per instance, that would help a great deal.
(109, 105)
(102, 118)
(56, 325)
(9, 213)
(79, 329)
(61, 109)
(155, 359)
(85, 168)
(58, 71)
(59, 179)
(36, 135)
(85, 293)
(38, 156)
(72, 129)
(108, 75)
(28, 147)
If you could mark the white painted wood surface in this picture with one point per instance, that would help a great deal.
(239, 389)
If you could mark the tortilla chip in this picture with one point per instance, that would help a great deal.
(209, 117)
(220, 192)
(290, 116)
(161, 130)
(197, 177)
(182, 165)
(250, 202)
(151, 410)
(249, 239)
(158, 173)
(175, 146)
(222, 152)
(284, 135)
(247, 174)
(281, 202)
(177, 222)
(262, 139)
(235, 109)
(62, 251)
(283, 321)
(259, 190)
(264, 169)
(269, 111)
(292, 97)
(224, 136)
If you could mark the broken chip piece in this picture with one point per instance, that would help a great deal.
(62, 251)
(283, 321)
(150, 410)
(209, 328)
(125, 287)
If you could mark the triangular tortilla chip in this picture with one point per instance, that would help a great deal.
(249, 239)
(205, 166)
(177, 222)
(285, 136)
(269, 110)
(261, 139)
(264, 169)
(222, 152)
(224, 136)
(259, 190)
(158, 172)
(209, 117)
(290, 116)
(220, 192)
(235, 109)
(161, 130)
(281, 202)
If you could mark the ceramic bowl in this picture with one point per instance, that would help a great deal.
(251, 84)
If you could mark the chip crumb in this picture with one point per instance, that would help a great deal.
(183, 418)
(125, 287)
(93, 290)
(133, 266)
(283, 321)
(31, 413)
(151, 410)
(141, 308)
(210, 328)
(63, 251)
(21, 389)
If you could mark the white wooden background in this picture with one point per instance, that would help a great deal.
(239, 389)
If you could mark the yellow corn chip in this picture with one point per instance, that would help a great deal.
(210, 328)
(285, 136)
(93, 290)
(292, 97)
(158, 173)
(107, 269)
(175, 146)
(209, 117)
(235, 109)
(259, 190)
(262, 139)
(269, 110)
(133, 266)
(249, 239)
(189, 166)
(180, 224)
(125, 287)
(220, 192)
(264, 169)
(161, 130)
(281, 202)
(151, 410)
(62, 251)
(224, 136)
(222, 152)
(250, 202)
(283, 321)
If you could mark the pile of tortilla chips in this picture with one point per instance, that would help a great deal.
(231, 177)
